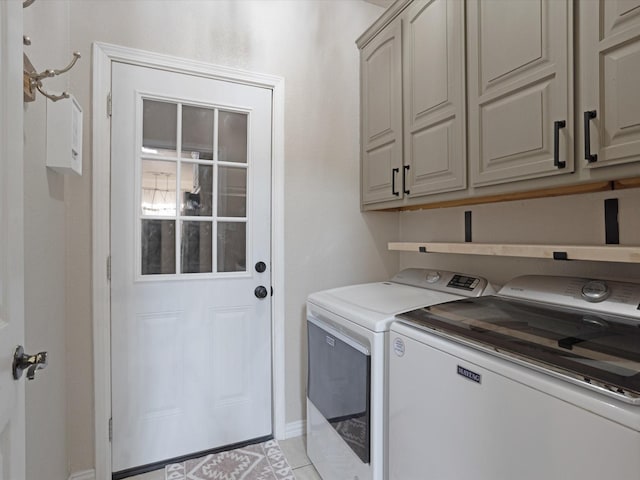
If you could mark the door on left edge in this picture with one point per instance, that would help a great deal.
(12, 419)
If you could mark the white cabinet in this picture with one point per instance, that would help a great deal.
(434, 97)
(64, 136)
(381, 122)
(610, 82)
(520, 89)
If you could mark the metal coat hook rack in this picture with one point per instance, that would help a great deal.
(32, 79)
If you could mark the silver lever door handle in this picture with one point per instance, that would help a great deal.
(30, 363)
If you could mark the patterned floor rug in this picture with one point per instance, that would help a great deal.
(262, 461)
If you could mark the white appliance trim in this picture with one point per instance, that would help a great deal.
(104, 55)
(346, 339)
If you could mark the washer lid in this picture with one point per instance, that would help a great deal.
(596, 351)
(374, 305)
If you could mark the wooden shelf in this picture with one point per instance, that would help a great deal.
(609, 253)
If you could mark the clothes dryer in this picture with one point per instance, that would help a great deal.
(348, 337)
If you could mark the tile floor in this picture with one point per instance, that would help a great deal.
(295, 449)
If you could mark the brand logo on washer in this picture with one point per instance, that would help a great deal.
(331, 341)
(398, 346)
(476, 377)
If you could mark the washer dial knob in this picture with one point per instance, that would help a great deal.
(432, 277)
(595, 291)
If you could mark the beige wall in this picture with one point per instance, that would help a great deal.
(576, 219)
(44, 246)
(328, 241)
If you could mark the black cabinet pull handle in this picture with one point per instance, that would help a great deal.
(557, 125)
(393, 181)
(588, 156)
(404, 179)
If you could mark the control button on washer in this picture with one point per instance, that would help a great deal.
(595, 291)
(432, 277)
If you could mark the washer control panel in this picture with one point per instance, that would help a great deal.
(607, 297)
(463, 282)
(443, 281)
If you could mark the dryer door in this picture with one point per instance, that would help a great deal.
(339, 381)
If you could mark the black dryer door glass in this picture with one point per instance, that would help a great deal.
(339, 377)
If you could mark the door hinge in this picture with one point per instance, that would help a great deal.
(109, 268)
(111, 429)
(109, 105)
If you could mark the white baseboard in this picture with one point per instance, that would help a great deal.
(86, 475)
(295, 429)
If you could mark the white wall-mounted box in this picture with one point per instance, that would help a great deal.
(64, 135)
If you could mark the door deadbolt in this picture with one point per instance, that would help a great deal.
(261, 267)
(30, 363)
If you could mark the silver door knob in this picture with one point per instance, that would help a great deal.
(30, 363)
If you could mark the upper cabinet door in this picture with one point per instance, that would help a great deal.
(381, 102)
(520, 89)
(434, 101)
(610, 58)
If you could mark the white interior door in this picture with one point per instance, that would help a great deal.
(190, 224)
(12, 427)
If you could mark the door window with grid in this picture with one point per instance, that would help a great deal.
(193, 189)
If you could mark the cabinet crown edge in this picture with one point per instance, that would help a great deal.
(385, 19)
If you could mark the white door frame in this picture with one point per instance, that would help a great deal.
(103, 56)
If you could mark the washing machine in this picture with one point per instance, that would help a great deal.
(541, 381)
(347, 391)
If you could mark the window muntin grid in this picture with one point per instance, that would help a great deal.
(192, 190)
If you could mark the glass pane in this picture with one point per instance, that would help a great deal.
(196, 247)
(196, 183)
(232, 137)
(158, 188)
(197, 133)
(232, 192)
(158, 247)
(232, 250)
(159, 127)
